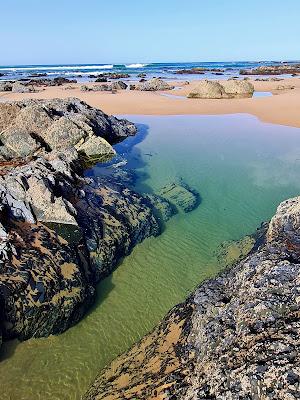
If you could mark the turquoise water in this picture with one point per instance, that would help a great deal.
(242, 169)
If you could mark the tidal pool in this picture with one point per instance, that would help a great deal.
(242, 169)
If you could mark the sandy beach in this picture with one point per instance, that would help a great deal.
(280, 108)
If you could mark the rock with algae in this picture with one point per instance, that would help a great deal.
(235, 337)
(48, 278)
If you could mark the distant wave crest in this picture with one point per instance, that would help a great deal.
(136, 65)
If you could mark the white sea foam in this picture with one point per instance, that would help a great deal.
(136, 65)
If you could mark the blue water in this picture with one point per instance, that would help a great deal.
(165, 70)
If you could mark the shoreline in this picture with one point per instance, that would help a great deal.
(280, 108)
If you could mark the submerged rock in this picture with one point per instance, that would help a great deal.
(225, 90)
(180, 195)
(236, 336)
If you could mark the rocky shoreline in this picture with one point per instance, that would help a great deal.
(62, 233)
(235, 337)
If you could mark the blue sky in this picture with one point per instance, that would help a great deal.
(90, 31)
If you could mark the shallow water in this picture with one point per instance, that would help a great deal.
(241, 167)
(262, 94)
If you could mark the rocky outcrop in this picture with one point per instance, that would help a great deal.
(199, 71)
(119, 85)
(19, 87)
(29, 85)
(36, 127)
(153, 85)
(226, 90)
(281, 69)
(6, 86)
(236, 337)
(60, 233)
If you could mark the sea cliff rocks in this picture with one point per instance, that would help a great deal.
(236, 336)
(225, 90)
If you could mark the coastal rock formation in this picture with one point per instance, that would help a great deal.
(153, 85)
(28, 85)
(36, 127)
(235, 337)
(273, 70)
(226, 90)
(119, 85)
(19, 87)
(199, 71)
(60, 233)
(6, 86)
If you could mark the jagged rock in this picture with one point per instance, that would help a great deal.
(235, 337)
(119, 85)
(180, 195)
(225, 90)
(154, 85)
(55, 125)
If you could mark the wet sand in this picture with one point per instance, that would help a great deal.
(281, 108)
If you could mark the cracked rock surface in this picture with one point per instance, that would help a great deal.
(235, 337)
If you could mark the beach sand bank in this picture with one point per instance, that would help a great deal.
(280, 108)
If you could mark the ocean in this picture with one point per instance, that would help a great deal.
(82, 72)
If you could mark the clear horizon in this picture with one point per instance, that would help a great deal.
(147, 63)
(67, 33)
